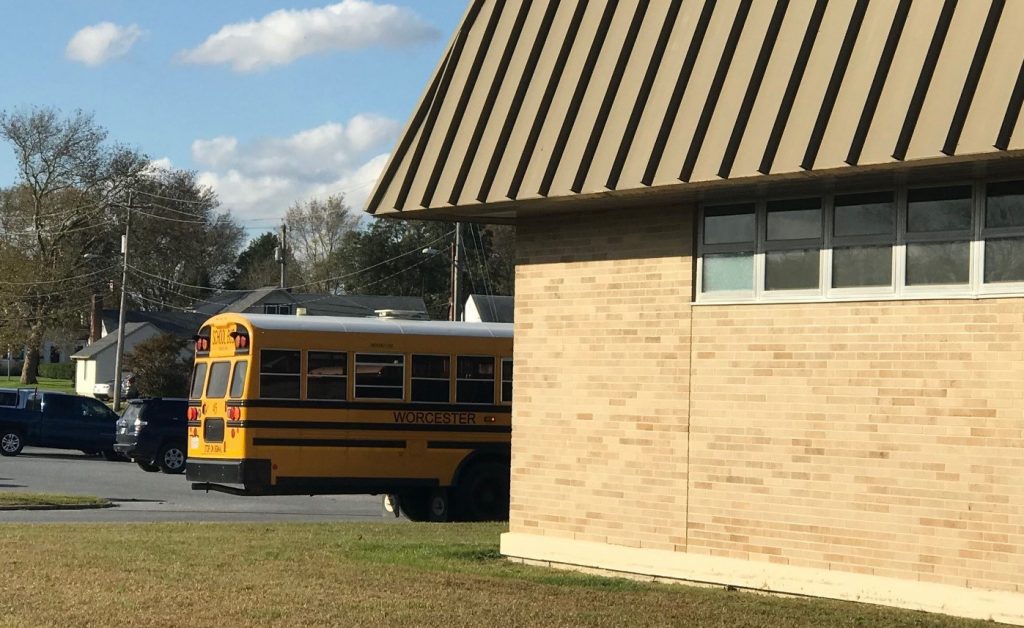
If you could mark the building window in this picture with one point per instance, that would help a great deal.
(277, 308)
(431, 378)
(937, 241)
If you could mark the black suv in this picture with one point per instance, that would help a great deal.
(153, 433)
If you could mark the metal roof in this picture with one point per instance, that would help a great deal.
(278, 322)
(574, 98)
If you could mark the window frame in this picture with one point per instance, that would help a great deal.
(306, 375)
(412, 378)
(298, 375)
(501, 380)
(976, 236)
(495, 394)
(355, 377)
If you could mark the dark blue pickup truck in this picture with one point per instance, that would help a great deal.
(57, 420)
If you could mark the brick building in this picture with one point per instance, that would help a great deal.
(769, 316)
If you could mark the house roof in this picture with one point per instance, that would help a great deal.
(180, 324)
(494, 308)
(315, 304)
(538, 105)
(108, 341)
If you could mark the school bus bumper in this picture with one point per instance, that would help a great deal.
(210, 475)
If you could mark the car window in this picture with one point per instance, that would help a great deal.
(8, 398)
(58, 406)
(95, 410)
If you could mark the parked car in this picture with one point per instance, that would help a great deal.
(104, 391)
(56, 420)
(153, 433)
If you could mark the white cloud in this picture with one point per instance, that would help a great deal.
(97, 44)
(286, 35)
(156, 165)
(262, 178)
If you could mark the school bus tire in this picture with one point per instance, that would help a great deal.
(440, 505)
(483, 491)
(415, 504)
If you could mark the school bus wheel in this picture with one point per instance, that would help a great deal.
(483, 492)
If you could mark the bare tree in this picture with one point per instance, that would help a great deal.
(63, 207)
(317, 231)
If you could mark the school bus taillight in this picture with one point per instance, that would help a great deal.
(234, 414)
(193, 414)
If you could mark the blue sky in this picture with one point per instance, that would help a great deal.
(271, 102)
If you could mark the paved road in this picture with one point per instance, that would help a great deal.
(142, 496)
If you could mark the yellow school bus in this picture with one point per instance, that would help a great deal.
(419, 411)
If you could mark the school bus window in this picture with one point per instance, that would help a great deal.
(279, 374)
(218, 384)
(198, 379)
(380, 376)
(431, 375)
(506, 380)
(238, 379)
(326, 377)
(476, 380)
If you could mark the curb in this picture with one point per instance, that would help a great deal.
(59, 506)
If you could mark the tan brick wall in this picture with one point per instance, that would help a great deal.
(602, 375)
(884, 438)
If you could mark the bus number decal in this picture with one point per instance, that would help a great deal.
(436, 418)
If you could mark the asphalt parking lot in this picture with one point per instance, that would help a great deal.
(142, 496)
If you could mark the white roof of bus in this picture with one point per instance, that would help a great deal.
(280, 322)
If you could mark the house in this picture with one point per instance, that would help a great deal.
(94, 364)
(488, 308)
(769, 292)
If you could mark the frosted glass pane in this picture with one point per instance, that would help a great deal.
(865, 214)
(939, 209)
(862, 266)
(794, 220)
(1005, 205)
(1004, 260)
(729, 224)
(791, 270)
(728, 271)
(938, 263)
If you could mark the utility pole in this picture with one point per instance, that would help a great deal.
(282, 255)
(453, 311)
(119, 356)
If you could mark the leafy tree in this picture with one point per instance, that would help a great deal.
(412, 258)
(162, 366)
(317, 230)
(178, 240)
(63, 207)
(257, 266)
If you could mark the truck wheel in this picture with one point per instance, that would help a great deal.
(482, 494)
(112, 456)
(147, 466)
(171, 458)
(11, 443)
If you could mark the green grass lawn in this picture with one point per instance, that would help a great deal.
(15, 500)
(45, 383)
(229, 574)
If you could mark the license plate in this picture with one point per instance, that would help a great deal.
(210, 448)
